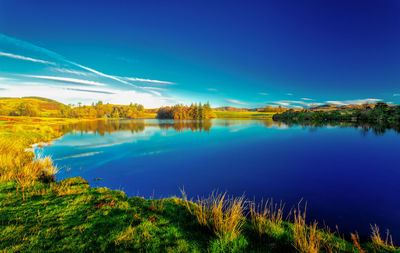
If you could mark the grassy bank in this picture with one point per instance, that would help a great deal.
(244, 115)
(71, 216)
(37, 213)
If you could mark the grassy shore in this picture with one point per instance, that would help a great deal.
(39, 214)
(244, 115)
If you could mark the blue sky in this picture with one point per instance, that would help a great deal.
(238, 53)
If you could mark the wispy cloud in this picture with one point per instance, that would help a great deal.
(101, 73)
(355, 101)
(282, 103)
(289, 94)
(88, 90)
(307, 99)
(295, 103)
(66, 80)
(153, 88)
(63, 65)
(211, 89)
(235, 101)
(396, 95)
(24, 58)
(71, 71)
(135, 79)
(263, 94)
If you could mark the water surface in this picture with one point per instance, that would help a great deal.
(348, 176)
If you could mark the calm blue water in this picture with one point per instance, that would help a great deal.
(348, 177)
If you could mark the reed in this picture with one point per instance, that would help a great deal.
(222, 214)
(306, 239)
(267, 218)
(377, 240)
(20, 165)
(356, 242)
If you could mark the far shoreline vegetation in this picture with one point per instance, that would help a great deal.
(193, 111)
(38, 213)
(43, 107)
(379, 117)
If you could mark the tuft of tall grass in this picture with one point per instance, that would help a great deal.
(20, 165)
(356, 242)
(306, 239)
(222, 214)
(267, 218)
(377, 240)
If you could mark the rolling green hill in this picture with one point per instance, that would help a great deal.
(35, 106)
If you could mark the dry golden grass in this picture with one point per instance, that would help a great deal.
(378, 241)
(222, 214)
(356, 242)
(306, 239)
(18, 164)
(267, 218)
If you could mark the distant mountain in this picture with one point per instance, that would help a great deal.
(328, 107)
(229, 109)
(325, 107)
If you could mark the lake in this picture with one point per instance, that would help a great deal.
(348, 176)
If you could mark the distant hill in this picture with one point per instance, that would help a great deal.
(44, 99)
(231, 109)
(328, 107)
(42, 106)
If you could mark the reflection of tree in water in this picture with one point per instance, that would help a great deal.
(182, 125)
(378, 128)
(108, 126)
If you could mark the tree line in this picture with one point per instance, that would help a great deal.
(98, 110)
(378, 113)
(194, 111)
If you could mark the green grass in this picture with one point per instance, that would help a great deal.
(244, 115)
(71, 216)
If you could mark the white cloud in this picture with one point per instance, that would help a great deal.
(282, 103)
(70, 67)
(66, 80)
(307, 99)
(85, 89)
(396, 95)
(212, 89)
(24, 58)
(71, 71)
(153, 88)
(295, 103)
(77, 94)
(263, 94)
(100, 73)
(289, 94)
(355, 101)
(134, 79)
(235, 101)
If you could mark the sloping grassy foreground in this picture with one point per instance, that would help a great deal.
(71, 216)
